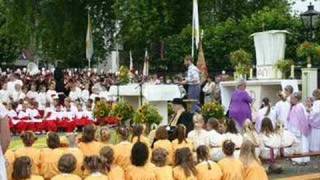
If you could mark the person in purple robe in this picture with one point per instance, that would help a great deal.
(240, 105)
(298, 125)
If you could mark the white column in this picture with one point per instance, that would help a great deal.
(309, 81)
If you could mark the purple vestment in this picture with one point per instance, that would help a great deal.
(239, 108)
(298, 119)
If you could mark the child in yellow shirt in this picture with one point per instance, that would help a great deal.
(122, 151)
(69, 146)
(207, 169)
(231, 167)
(113, 171)
(252, 166)
(137, 135)
(50, 156)
(163, 142)
(105, 137)
(22, 169)
(94, 165)
(88, 145)
(140, 168)
(28, 138)
(159, 159)
(9, 156)
(181, 140)
(184, 165)
(66, 165)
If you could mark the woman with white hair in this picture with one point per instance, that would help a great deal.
(240, 105)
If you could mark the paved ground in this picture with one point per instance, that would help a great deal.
(294, 170)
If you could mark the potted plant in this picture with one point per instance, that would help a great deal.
(241, 62)
(284, 67)
(148, 115)
(101, 112)
(308, 50)
(123, 110)
(213, 110)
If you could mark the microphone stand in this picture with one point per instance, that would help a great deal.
(141, 83)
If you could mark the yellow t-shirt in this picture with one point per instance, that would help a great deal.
(49, 159)
(178, 174)
(66, 177)
(255, 171)
(204, 173)
(96, 176)
(140, 173)
(167, 145)
(164, 173)
(231, 168)
(34, 177)
(33, 154)
(77, 153)
(10, 157)
(183, 144)
(91, 148)
(122, 153)
(115, 173)
(142, 139)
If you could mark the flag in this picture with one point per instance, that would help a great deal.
(201, 63)
(89, 41)
(146, 64)
(131, 61)
(195, 25)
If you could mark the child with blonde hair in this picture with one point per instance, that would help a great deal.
(199, 136)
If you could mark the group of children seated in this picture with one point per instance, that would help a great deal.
(210, 151)
(26, 116)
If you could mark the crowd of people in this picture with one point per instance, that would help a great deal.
(136, 156)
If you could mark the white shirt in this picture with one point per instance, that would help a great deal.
(199, 137)
(4, 96)
(316, 106)
(215, 138)
(50, 94)
(42, 100)
(282, 109)
(32, 113)
(208, 88)
(32, 95)
(237, 139)
(85, 95)
(16, 96)
(193, 75)
(11, 85)
(75, 94)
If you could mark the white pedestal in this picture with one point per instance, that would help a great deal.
(157, 95)
(309, 81)
(258, 89)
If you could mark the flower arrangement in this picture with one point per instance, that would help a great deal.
(241, 61)
(308, 50)
(284, 66)
(124, 75)
(212, 109)
(101, 109)
(147, 114)
(123, 110)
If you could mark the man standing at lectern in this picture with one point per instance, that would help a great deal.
(193, 81)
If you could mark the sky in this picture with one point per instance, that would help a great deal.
(302, 5)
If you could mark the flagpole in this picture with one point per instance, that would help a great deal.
(192, 46)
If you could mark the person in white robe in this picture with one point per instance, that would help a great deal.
(32, 93)
(299, 126)
(198, 136)
(264, 111)
(42, 98)
(314, 120)
(289, 143)
(75, 93)
(281, 109)
(4, 94)
(250, 134)
(85, 94)
(215, 139)
(208, 90)
(233, 134)
(17, 94)
(51, 93)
